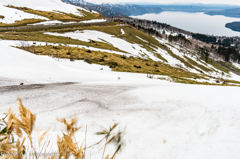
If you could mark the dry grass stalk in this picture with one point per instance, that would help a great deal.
(111, 137)
(67, 144)
(20, 148)
(18, 126)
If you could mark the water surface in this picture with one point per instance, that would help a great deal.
(195, 22)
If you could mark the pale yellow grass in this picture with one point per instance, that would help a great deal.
(22, 126)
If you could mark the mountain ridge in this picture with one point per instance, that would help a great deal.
(233, 12)
(110, 9)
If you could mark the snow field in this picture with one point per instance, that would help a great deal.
(160, 119)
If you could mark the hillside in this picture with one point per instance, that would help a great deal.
(18, 14)
(233, 12)
(170, 99)
(111, 9)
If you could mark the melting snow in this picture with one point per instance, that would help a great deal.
(123, 32)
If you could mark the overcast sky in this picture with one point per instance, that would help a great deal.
(236, 2)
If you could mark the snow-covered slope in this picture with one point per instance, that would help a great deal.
(14, 64)
(179, 52)
(44, 69)
(161, 119)
(86, 35)
(11, 15)
(43, 5)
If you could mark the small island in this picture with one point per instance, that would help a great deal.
(235, 26)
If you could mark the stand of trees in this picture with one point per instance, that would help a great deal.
(225, 42)
(229, 53)
(203, 53)
(149, 31)
(179, 38)
(152, 28)
(205, 38)
(213, 40)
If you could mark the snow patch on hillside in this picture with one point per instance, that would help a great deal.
(142, 39)
(237, 65)
(122, 31)
(11, 15)
(26, 67)
(93, 21)
(51, 22)
(44, 5)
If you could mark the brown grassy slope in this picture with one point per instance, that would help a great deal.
(130, 36)
(122, 63)
(39, 36)
(117, 62)
(61, 16)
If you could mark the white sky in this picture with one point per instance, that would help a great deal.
(236, 2)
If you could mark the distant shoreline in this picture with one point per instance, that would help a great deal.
(233, 12)
(234, 26)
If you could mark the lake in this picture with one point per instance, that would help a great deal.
(195, 22)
